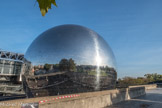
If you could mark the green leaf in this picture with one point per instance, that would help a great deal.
(44, 5)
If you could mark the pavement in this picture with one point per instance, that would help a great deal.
(152, 99)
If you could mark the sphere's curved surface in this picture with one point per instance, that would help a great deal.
(81, 53)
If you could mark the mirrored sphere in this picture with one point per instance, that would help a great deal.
(74, 58)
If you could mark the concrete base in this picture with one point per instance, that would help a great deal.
(147, 87)
(98, 99)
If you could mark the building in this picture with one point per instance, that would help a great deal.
(12, 67)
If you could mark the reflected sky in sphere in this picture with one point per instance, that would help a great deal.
(83, 45)
(82, 57)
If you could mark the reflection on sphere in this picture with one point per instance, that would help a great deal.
(70, 59)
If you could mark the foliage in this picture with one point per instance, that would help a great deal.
(67, 65)
(63, 65)
(47, 67)
(72, 65)
(44, 5)
(148, 78)
(153, 77)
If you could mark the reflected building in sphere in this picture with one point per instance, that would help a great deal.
(69, 59)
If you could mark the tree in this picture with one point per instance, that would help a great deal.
(129, 81)
(47, 67)
(153, 77)
(64, 65)
(67, 65)
(149, 78)
(72, 65)
(44, 5)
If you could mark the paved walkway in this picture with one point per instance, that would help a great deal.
(152, 99)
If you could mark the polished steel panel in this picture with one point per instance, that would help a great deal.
(82, 54)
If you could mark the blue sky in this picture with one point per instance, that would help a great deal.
(131, 27)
